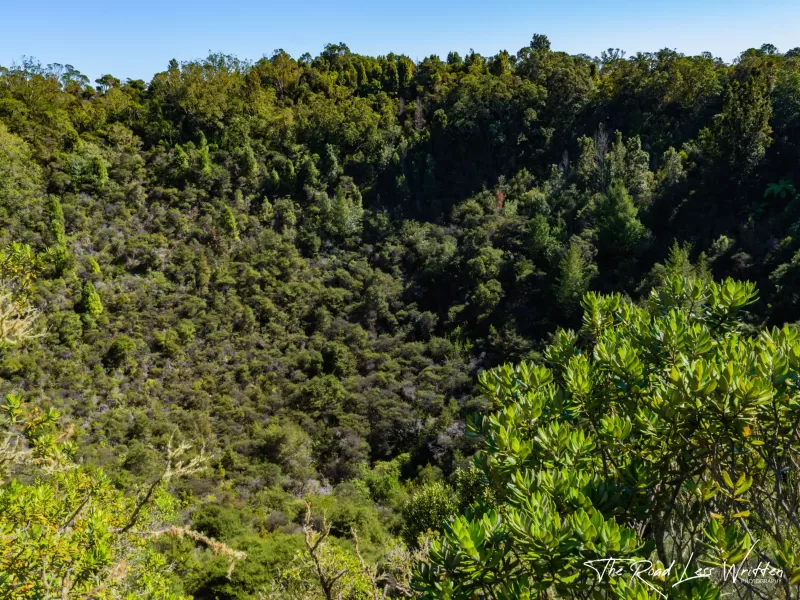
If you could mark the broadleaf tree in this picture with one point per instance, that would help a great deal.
(661, 432)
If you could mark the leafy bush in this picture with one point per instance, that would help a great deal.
(428, 510)
(70, 532)
(657, 433)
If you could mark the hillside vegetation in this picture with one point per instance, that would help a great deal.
(295, 270)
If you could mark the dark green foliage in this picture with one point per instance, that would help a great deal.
(742, 132)
(619, 230)
(574, 277)
(428, 511)
(265, 559)
(119, 351)
(219, 522)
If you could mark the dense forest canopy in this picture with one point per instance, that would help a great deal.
(302, 265)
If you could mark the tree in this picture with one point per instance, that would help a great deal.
(677, 263)
(428, 509)
(619, 229)
(346, 211)
(57, 222)
(17, 323)
(659, 433)
(628, 163)
(326, 569)
(285, 73)
(228, 222)
(97, 172)
(119, 351)
(742, 132)
(248, 163)
(405, 72)
(290, 447)
(540, 42)
(180, 162)
(285, 217)
(575, 272)
(330, 165)
(500, 64)
(106, 82)
(20, 176)
(20, 267)
(90, 300)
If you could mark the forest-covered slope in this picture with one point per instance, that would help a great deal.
(304, 263)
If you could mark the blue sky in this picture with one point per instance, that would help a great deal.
(137, 38)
